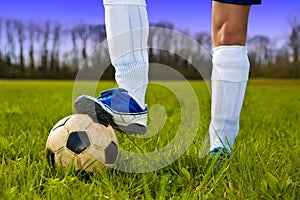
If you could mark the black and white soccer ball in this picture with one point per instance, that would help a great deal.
(82, 143)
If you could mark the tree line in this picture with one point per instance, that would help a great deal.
(31, 49)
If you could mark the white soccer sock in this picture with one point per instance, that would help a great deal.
(127, 30)
(229, 79)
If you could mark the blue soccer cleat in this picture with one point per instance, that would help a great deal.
(222, 155)
(221, 152)
(117, 108)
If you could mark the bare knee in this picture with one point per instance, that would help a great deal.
(229, 24)
(230, 34)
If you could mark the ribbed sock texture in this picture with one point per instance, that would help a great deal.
(127, 30)
(229, 81)
(126, 2)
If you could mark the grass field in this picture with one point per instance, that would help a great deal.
(265, 162)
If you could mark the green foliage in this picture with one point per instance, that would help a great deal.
(265, 162)
(276, 70)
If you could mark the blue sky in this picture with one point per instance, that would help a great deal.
(271, 18)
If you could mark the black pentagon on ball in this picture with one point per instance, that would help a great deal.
(111, 153)
(78, 141)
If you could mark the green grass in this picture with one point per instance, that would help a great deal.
(265, 162)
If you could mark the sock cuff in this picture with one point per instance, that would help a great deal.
(125, 2)
(230, 63)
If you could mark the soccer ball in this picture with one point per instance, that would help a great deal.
(81, 142)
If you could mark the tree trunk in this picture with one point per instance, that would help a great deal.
(31, 57)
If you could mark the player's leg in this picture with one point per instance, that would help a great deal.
(229, 24)
(127, 30)
(230, 70)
